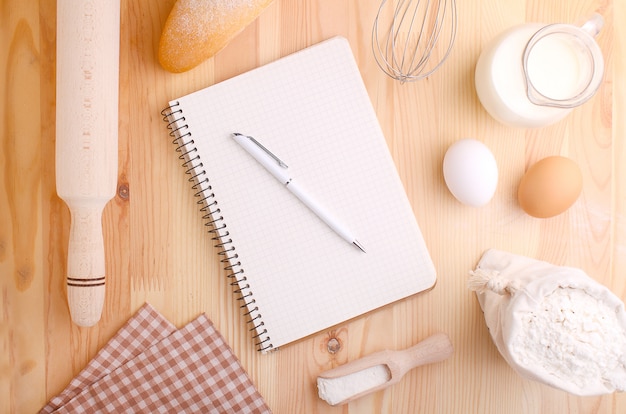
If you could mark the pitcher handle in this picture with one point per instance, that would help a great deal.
(593, 25)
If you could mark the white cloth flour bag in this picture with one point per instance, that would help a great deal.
(553, 324)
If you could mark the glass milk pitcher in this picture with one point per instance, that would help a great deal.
(533, 75)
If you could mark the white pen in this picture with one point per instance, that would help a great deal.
(279, 170)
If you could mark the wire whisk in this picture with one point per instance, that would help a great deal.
(407, 50)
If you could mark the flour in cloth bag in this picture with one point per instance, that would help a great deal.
(553, 324)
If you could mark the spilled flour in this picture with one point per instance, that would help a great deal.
(575, 338)
(337, 390)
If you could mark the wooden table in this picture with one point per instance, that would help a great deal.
(157, 251)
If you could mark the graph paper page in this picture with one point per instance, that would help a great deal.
(311, 109)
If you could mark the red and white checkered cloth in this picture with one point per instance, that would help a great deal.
(151, 367)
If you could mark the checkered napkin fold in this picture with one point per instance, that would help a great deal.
(151, 367)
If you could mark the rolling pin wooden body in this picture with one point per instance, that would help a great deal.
(87, 77)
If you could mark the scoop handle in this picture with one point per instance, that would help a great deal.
(435, 348)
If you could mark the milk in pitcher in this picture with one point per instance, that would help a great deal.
(540, 84)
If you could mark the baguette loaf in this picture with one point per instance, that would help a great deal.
(195, 30)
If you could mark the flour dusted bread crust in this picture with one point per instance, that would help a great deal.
(196, 30)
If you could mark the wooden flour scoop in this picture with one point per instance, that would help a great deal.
(88, 38)
(380, 370)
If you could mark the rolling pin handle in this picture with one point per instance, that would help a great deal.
(86, 266)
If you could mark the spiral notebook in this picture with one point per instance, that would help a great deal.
(294, 274)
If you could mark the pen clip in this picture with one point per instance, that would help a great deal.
(268, 152)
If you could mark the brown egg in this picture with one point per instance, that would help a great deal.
(550, 187)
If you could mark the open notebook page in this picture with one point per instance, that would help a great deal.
(312, 110)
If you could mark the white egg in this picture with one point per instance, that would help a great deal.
(470, 172)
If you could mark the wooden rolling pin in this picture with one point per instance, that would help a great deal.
(87, 76)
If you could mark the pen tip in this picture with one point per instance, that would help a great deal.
(359, 245)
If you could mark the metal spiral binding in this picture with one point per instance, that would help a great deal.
(213, 219)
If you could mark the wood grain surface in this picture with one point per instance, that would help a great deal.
(157, 250)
